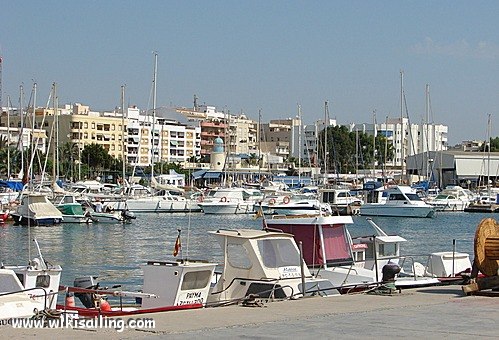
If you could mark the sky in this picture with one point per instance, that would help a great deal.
(268, 55)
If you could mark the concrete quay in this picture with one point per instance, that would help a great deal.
(425, 313)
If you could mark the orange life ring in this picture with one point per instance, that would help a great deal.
(223, 199)
(286, 200)
(272, 201)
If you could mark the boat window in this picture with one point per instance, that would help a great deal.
(237, 256)
(196, 280)
(387, 249)
(342, 194)
(397, 197)
(43, 281)
(327, 197)
(278, 253)
(8, 283)
(413, 197)
(20, 277)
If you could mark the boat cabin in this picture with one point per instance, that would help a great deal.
(263, 263)
(177, 283)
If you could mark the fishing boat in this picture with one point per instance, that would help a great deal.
(264, 264)
(357, 263)
(398, 200)
(35, 210)
(168, 286)
(24, 288)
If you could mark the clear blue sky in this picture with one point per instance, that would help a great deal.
(269, 55)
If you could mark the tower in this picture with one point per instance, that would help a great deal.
(217, 158)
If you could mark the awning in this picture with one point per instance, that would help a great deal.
(198, 174)
(212, 175)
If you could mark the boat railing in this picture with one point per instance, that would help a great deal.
(405, 261)
(45, 294)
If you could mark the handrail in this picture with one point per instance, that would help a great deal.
(45, 294)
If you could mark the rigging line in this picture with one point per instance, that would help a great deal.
(408, 122)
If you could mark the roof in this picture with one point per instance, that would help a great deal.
(249, 233)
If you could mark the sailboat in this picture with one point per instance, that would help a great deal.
(485, 204)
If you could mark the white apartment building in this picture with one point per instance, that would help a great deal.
(407, 139)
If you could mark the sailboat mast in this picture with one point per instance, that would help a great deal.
(153, 112)
(259, 143)
(21, 115)
(8, 137)
(326, 124)
(299, 145)
(123, 134)
(54, 137)
(374, 144)
(487, 144)
(402, 134)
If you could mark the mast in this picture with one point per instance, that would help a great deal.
(259, 143)
(374, 144)
(8, 137)
(299, 145)
(427, 108)
(153, 112)
(55, 165)
(123, 142)
(386, 149)
(402, 135)
(488, 154)
(326, 124)
(20, 140)
(356, 155)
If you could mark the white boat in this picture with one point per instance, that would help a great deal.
(72, 211)
(452, 198)
(161, 202)
(168, 285)
(14, 301)
(340, 200)
(35, 209)
(399, 201)
(230, 201)
(298, 204)
(350, 264)
(39, 281)
(263, 264)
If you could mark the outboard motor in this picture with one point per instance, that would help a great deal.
(127, 215)
(86, 282)
(390, 270)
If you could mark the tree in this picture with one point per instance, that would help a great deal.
(342, 153)
(96, 158)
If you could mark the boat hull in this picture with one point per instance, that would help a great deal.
(399, 211)
(157, 206)
(227, 208)
(46, 221)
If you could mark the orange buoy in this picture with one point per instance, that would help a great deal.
(70, 300)
(223, 199)
(286, 200)
(105, 306)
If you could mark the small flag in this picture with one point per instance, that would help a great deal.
(178, 245)
(259, 213)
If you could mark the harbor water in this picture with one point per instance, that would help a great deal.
(115, 252)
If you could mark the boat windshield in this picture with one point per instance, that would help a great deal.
(278, 253)
(413, 197)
